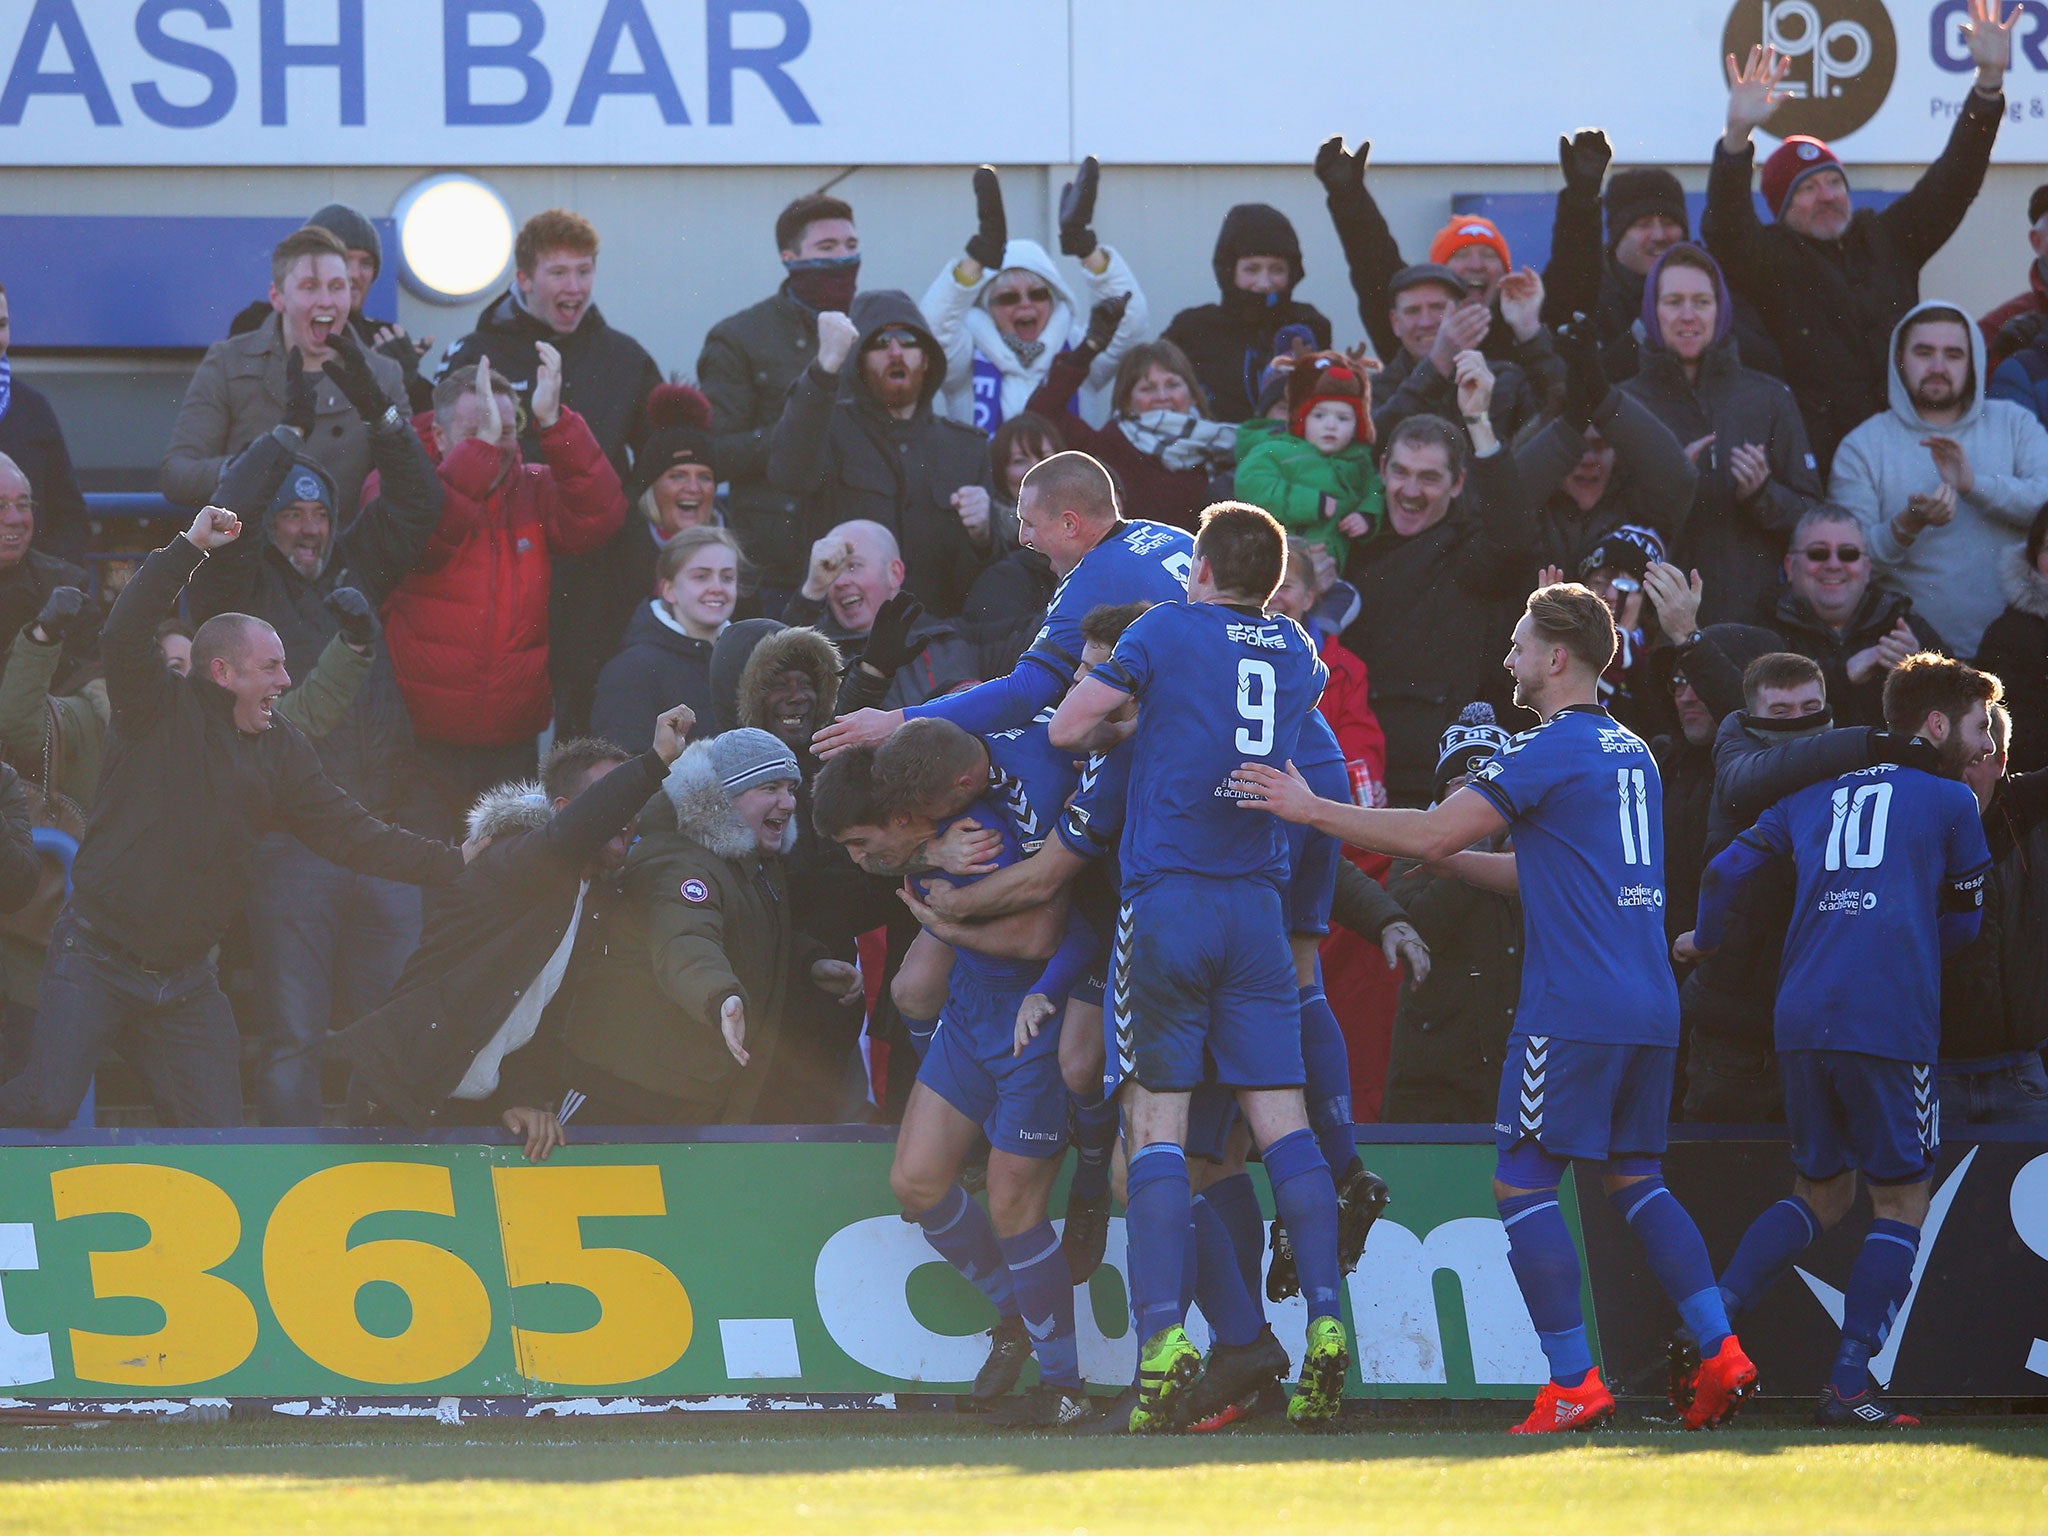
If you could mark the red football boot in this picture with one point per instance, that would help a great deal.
(1719, 1387)
(1558, 1409)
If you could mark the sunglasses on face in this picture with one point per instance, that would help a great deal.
(1679, 683)
(1010, 299)
(900, 335)
(1817, 554)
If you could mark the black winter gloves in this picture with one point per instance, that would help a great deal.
(1583, 158)
(1342, 174)
(350, 370)
(1103, 320)
(1077, 210)
(992, 232)
(889, 646)
(1585, 380)
(59, 612)
(298, 397)
(352, 611)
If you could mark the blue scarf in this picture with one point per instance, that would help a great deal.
(6, 384)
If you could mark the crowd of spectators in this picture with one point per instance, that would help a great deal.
(477, 712)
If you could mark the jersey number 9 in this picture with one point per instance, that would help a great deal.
(1255, 703)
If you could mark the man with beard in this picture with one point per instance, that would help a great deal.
(460, 1042)
(871, 447)
(1946, 482)
(1891, 864)
(1827, 279)
(749, 361)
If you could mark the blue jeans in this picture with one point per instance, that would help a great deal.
(2015, 1094)
(175, 1028)
(328, 944)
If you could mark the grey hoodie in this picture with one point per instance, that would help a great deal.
(1950, 573)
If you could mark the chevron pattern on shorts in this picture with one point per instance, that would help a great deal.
(1120, 992)
(1927, 1108)
(1535, 1062)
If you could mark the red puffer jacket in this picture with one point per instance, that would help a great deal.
(468, 629)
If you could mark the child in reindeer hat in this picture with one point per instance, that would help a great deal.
(1316, 475)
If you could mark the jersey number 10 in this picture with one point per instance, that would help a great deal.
(1856, 839)
(1255, 703)
(1634, 791)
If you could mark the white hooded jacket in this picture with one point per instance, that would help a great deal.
(1950, 573)
(960, 319)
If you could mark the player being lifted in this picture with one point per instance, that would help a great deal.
(972, 1082)
(1202, 977)
(1589, 1065)
(1891, 864)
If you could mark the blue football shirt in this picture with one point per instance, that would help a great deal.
(1878, 852)
(992, 971)
(1030, 778)
(1093, 823)
(1139, 562)
(1586, 807)
(1216, 687)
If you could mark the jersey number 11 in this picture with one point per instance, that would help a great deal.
(1634, 790)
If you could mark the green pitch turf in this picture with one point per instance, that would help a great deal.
(855, 1474)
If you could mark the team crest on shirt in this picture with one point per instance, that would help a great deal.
(696, 891)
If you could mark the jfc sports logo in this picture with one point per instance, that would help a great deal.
(1843, 55)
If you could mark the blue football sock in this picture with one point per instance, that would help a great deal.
(921, 1032)
(1045, 1295)
(1877, 1287)
(1766, 1251)
(1235, 1200)
(1095, 1127)
(1328, 1063)
(1678, 1257)
(964, 1237)
(1220, 1290)
(1156, 1213)
(1307, 1201)
(1546, 1267)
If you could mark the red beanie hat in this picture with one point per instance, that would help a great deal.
(1469, 229)
(1327, 376)
(1791, 163)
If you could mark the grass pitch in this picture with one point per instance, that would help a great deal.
(856, 1474)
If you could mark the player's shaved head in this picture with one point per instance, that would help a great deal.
(1105, 624)
(929, 767)
(1074, 482)
(1572, 616)
(1245, 549)
(227, 636)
